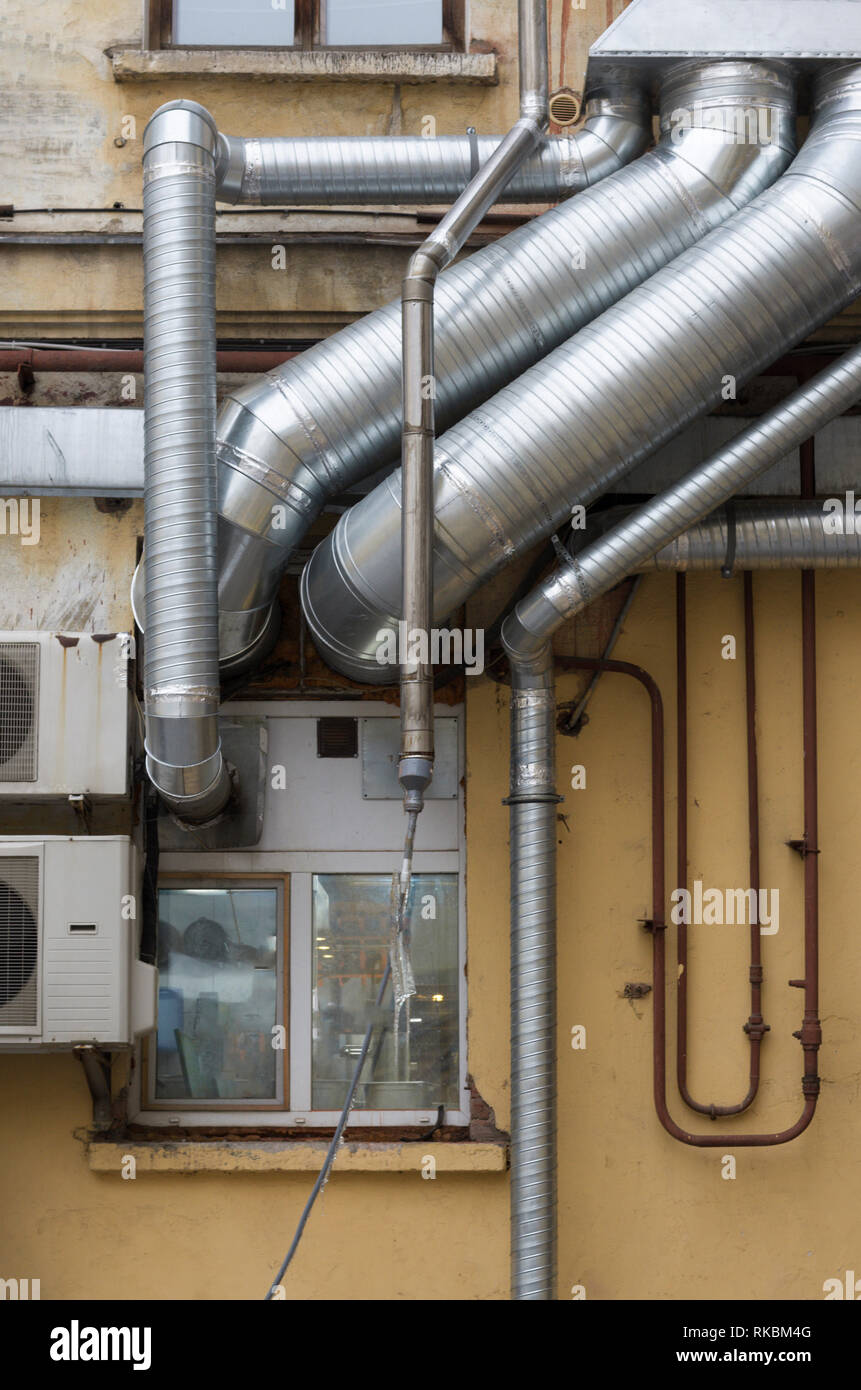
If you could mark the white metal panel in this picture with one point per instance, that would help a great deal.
(81, 706)
(321, 806)
(88, 937)
(761, 28)
(85, 986)
(71, 452)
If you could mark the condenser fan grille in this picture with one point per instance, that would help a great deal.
(19, 703)
(19, 940)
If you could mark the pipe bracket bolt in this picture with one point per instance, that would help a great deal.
(756, 1029)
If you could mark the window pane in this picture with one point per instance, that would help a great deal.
(375, 22)
(351, 920)
(217, 998)
(236, 23)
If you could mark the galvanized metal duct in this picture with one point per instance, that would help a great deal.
(681, 529)
(532, 799)
(361, 169)
(772, 535)
(181, 687)
(330, 417)
(564, 431)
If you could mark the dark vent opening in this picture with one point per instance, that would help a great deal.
(18, 943)
(16, 710)
(337, 738)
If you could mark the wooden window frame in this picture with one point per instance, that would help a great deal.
(158, 31)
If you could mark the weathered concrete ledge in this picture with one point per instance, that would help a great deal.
(312, 65)
(295, 1157)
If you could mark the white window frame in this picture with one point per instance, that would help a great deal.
(301, 867)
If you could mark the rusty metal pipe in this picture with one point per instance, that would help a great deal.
(810, 1035)
(755, 1026)
(128, 359)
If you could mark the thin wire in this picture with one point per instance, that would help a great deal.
(404, 893)
(576, 715)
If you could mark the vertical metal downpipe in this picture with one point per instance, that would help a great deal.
(415, 768)
(532, 800)
(181, 685)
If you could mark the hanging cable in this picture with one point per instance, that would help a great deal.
(403, 895)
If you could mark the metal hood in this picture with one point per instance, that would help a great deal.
(812, 30)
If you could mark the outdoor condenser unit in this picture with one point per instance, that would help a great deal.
(64, 703)
(69, 929)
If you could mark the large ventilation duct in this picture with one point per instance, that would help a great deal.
(333, 415)
(341, 171)
(567, 429)
(181, 684)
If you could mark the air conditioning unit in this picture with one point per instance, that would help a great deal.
(69, 930)
(64, 705)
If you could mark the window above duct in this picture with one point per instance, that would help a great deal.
(303, 40)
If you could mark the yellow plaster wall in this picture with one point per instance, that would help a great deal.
(640, 1215)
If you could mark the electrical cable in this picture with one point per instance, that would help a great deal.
(404, 893)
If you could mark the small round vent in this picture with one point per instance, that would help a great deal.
(16, 710)
(18, 943)
(564, 107)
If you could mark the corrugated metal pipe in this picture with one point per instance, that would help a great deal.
(561, 434)
(767, 535)
(680, 528)
(415, 766)
(181, 683)
(333, 416)
(336, 170)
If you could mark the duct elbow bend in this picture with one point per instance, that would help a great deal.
(195, 794)
(181, 123)
(530, 653)
(231, 168)
(185, 763)
(733, 121)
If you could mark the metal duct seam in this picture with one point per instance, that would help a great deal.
(181, 682)
(560, 435)
(333, 415)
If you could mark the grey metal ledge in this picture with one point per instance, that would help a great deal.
(312, 65)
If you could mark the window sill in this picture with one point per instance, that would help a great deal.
(232, 1156)
(313, 65)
